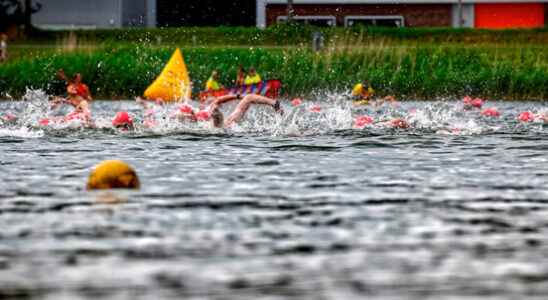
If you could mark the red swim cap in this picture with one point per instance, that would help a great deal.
(477, 103)
(490, 112)
(149, 123)
(361, 121)
(316, 108)
(44, 122)
(202, 115)
(122, 118)
(9, 117)
(296, 102)
(526, 116)
(469, 102)
(399, 123)
(185, 108)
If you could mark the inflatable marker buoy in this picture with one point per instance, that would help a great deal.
(362, 121)
(296, 102)
(113, 174)
(173, 84)
(490, 112)
(526, 116)
(122, 119)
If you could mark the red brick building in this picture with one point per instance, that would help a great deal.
(408, 13)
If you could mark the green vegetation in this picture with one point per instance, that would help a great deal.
(284, 35)
(411, 63)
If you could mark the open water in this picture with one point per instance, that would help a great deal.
(299, 206)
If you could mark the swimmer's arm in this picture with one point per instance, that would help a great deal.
(224, 99)
(216, 104)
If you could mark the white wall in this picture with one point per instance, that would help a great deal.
(467, 16)
(79, 14)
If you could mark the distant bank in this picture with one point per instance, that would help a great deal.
(409, 63)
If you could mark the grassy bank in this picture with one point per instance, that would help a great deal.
(421, 71)
(285, 35)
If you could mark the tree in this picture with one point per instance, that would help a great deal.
(17, 12)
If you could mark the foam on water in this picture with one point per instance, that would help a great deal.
(326, 113)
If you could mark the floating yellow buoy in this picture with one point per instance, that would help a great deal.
(173, 84)
(112, 174)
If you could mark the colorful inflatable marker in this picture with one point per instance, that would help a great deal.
(173, 84)
(269, 88)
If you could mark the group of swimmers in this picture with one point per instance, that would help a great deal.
(79, 97)
(252, 77)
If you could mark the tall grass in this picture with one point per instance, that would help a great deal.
(419, 71)
(292, 35)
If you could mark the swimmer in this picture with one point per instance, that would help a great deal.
(78, 96)
(240, 110)
(388, 99)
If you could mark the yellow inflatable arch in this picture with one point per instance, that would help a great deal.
(173, 84)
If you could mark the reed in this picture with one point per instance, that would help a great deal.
(293, 35)
(422, 71)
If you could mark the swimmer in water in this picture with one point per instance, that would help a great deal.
(241, 109)
(78, 96)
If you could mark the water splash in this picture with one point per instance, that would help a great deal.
(325, 113)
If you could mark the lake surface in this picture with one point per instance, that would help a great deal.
(299, 206)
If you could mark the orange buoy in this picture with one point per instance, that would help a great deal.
(113, 174)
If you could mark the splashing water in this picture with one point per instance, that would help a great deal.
(326, 114)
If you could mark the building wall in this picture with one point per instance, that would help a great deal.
(206, 13)
(468, 17)
(134, 13)
(509, 15)
(415, 15)
(79, 14)
(546, 14)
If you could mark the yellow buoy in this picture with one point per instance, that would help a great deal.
(173, 84)
(112, 174)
